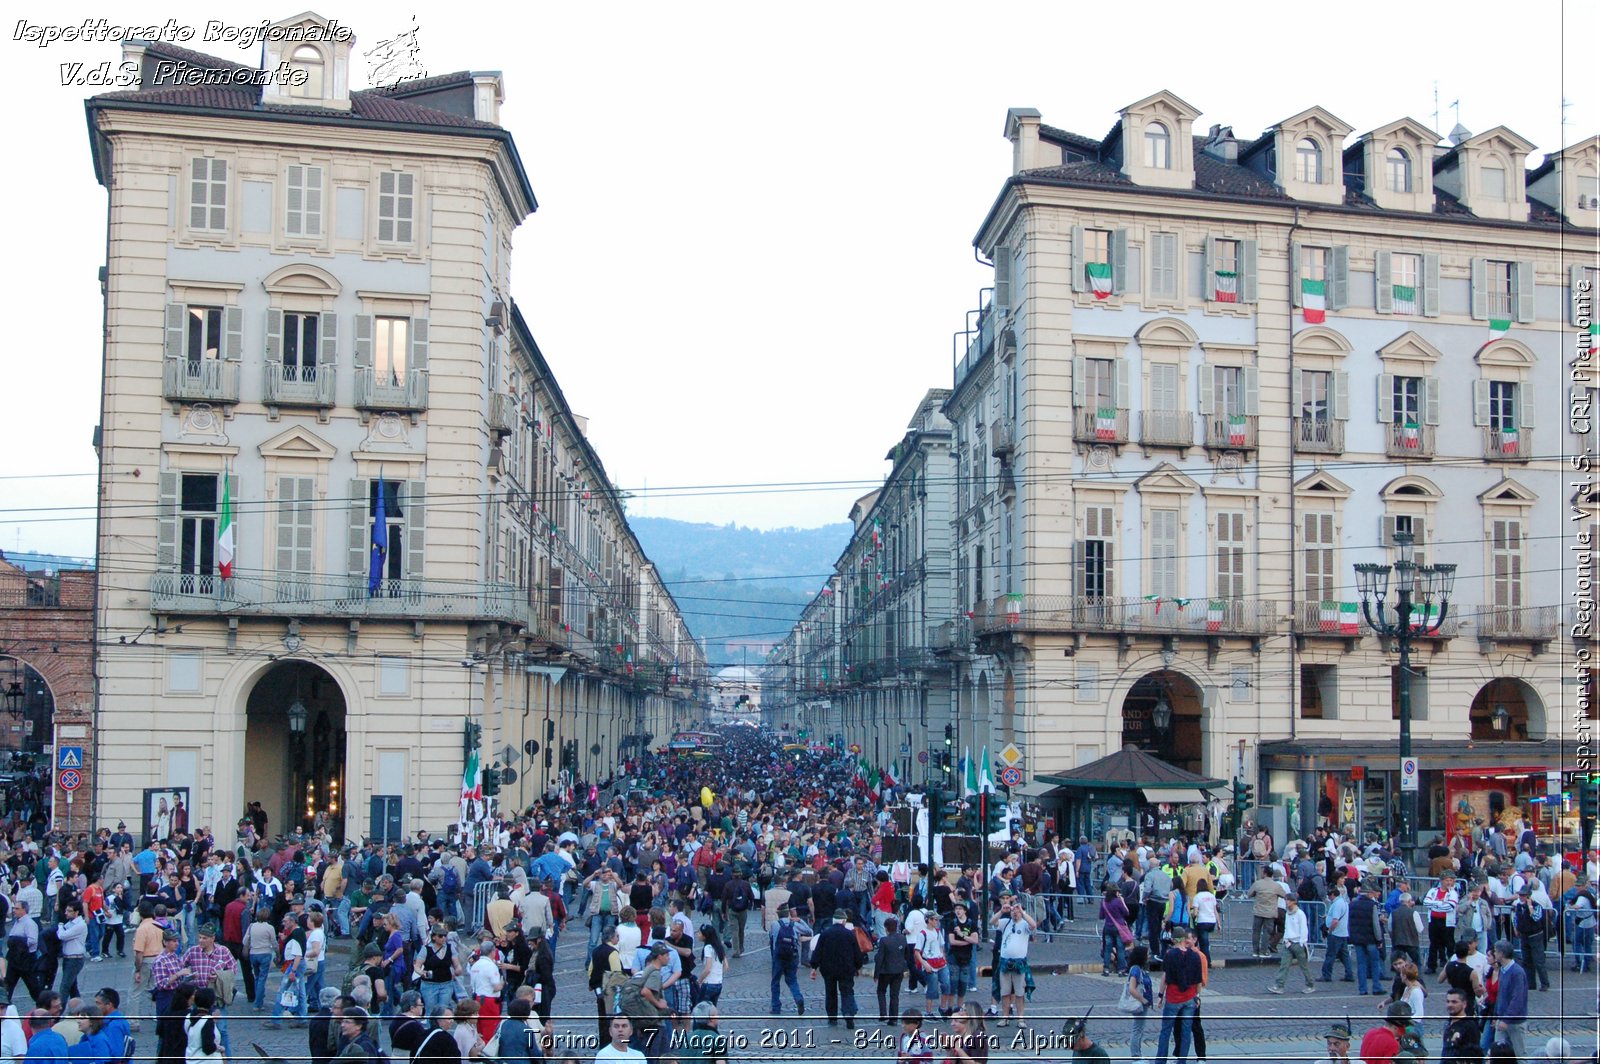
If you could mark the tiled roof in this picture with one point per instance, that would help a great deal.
(1071, 140)
(1212, 174)
(1084, 173)
(163, 50)
(440, 81)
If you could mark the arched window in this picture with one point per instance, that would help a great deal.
(1399, 165)
(1308, 162)
(1157, 147)
(306, 60)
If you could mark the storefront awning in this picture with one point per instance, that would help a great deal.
(1035, 789)
(1172, 795)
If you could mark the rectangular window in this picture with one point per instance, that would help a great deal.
(303, 201)
(204, 340)
(1494, 183)
(1314, 385)
(197, 511)
(1407, 392)
(1406, 271)
(1501, 282)
(1097, 552)
(1164, 553)
(1164, 265)
(1317, 550)
(1227, 390)
(1505, 557)
(1164, 387)
(1313, 264)
(1230, 547)
(1100, 383)
(396, 207)
(1225, 263)
(300, 345)
(1097, 245)
(394, 567)
(1503, 406)
(391, 338)
(208, 194)
(1317, 687)
(296, 502)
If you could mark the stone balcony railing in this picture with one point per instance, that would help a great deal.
(345, 596)
(200, 380)
(292, 385)
(1150, 616)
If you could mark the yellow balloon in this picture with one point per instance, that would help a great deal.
(706, 797)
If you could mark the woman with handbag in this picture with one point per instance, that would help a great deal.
(1115, 935)
(1137, 994)
(292, 993)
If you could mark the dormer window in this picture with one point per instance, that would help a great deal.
(1308, 162)
(1157, 147)
(1398, 163)
(1494, 183)
(305, 70)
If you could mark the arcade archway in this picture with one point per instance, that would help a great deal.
(1161, 715)
(295, 749)
(1507, 709)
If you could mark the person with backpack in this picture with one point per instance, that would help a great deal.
(785, 942)
(736, 899)
(1531, 922)
(606, 976)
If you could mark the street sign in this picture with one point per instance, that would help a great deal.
(1408, 774)
(1011, 776)
(922, 757)
(1358, 772)
(905, 748)
(71, 779)
(1011, 755)
(1552, 785)
(510, 755)
(69, 757)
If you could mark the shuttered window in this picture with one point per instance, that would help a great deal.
(296, 546)
(1164, 387)
(1164, 265)
(198, 507)
(1317, 551)
(1164, 553)
(396, 207)
(1096, 561)
(208, 194)
(303, 201)
(1230, 548)
(1505, 555)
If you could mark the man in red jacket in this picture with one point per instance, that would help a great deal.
(1382, 1043)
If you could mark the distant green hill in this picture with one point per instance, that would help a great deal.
(732, 582)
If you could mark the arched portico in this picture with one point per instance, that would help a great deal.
(1507, 709)
(295, 746)
(1163, 715)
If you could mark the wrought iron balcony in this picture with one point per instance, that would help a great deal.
(1166, 428)
(1002, 438)
(299, 385)
(1318, 435)
(200, 380)
(1415, 441)
(1151, 616)
(344, 596)
(1532, 623)
(503, 413)
(381, 391)
(1231, 432)
(1507, 444)
(951, 637)
(1100, 425)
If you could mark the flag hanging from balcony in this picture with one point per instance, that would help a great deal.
(1227, 290)
(1214, 615)
(1498, 327)
(1105, 423)
(1313, 300)
(1236, 433)
(1099, 274)
(1349, 619)
(1013, 608)
(1328, 617)
(1509, 440)
(1410, 435)
(1425, 618)
(380, 541)
(225, 532)
(471, 781)
(1157, 600)
(1405, 299)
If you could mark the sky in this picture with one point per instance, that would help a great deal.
(754, 237)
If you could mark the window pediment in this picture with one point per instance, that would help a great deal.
(297, 442)
(1168, 479)
(1316, 120)
(1324, 485)
(1098, 346)
(1508, 493)
(1163, 103)
(1404, 132)
(301, 279)
(1321, 340)
(1504, 352)
(1410, 488)
(1410, 346)
(1167, 332)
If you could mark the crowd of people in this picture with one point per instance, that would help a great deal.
(444, 949)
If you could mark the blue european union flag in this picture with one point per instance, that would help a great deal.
(380, 543)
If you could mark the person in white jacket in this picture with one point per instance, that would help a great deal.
(1296, 935)
(13, 1039)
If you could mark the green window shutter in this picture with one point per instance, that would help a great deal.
(1296, 391)
(1523, 275)
(1002, 276)
(167, 523)
(1208, 282)
(416, 492)
(1386, 398)
(1080, 372)
(1119, 261)
(274, 343)
(1384, 294)
(359, 532)
(363, 349)
(177, 319)
(1252, 390)
(1247, 271)
(1480, 289)
(233, 332)
(1339, 278)
(328, 338)
(1430, 286)
(1207, 379)
(1294, 272)
(1124, 392)
(1525, 404)
(1080, 280)
(419, 343)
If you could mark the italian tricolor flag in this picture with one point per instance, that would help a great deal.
(1236, 433)
(1214, 615)
(1509, 440)
(1423, 619)
(1498, 327)
(225, 533)
(1013, 609)
(1105, 423)
(472, 780)
(1410, 435)
(1405, 299)
(1328, 617)
(1099, 278)
(1349, 619)
(1314, 300)
(1227, 290)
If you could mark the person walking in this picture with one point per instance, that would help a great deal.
(1441, 904)
(1511, 1001)
(837, 957)
(1265, 894)
(1155, 891)
(785, 942)
(1115, 935)
(1296, 947)
(1366, 939)
(1142, 995)
(889, 970)
(1181, 987)
(73, 935)
(1528, 918)
(1337, 925)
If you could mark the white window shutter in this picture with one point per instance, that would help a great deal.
(1252, 390)
(1080, 568)
(419, 343)
(1002, 276)
(1339, 278)
(358, 534)
(1247, 271)
(1430, 401)
(287, 497)
(1383, 296)
(1080, 280)
(1339, 397)
(177, 319)
(294, 201)
(416, 526)
(167, 523)
(327, 338)
(1386, 530)
(1296, 391)
(1386, 398)
(1480, 402)
(363, 349)
(274, 344)
(1480, 289)
(1430, 285)
(1110, 563)
(1209, 278)
(1124, 392)
(1119, 261)
(1419, 531)
(1525, 413)
(1525, 291)
(1206, 377)
(233, 330)
(313, 201)
(1294, 272)
(1080, 372)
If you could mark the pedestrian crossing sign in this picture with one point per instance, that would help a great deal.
(69, 757)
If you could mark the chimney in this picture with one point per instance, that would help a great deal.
(489, 92)
(1220, 144)
(133, 57)
(1022, 130)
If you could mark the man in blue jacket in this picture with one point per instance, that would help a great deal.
(1511, 1004)
(117, 1028)
(46, 1046)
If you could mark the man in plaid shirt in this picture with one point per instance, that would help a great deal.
(204, 959)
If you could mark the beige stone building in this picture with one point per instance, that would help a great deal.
(309, 334)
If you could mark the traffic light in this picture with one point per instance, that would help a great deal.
(1588, 797)
(994, 816)
(471, 737)
(549, 730)
(491, 781)
(1244, 795)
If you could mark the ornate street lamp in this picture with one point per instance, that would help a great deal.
(16, 696)
(1417, 588)
(1500, 718)
(1161, 715)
